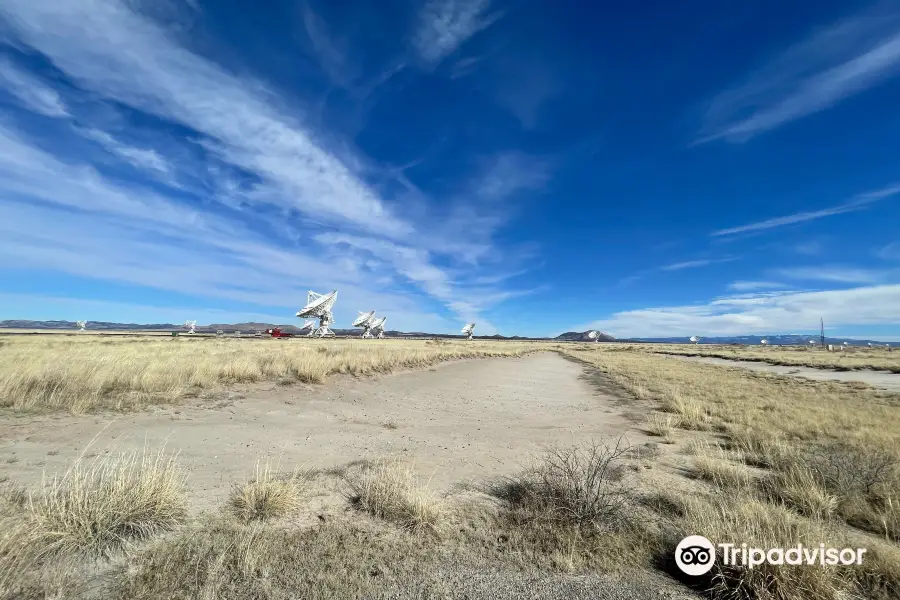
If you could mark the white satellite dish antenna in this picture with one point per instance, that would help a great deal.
(191, 326)
(694, 339)
(592, 335)
(219, 333)
(869, 344)
(81, 325)
(812, 342)
(237, 333)
(364, 320)
(377, 326)
(467, 330)
(318, 306)
(764, 342)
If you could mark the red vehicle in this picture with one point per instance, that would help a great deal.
(277, 333)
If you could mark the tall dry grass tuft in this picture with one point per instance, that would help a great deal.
(661, 425)
(391, 490)
(93, 509)
(266, 496)
(801, 489)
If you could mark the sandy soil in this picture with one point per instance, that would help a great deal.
(460, 421)
(878, 379)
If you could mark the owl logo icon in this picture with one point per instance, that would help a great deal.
(695, 555)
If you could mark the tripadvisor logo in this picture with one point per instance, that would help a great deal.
(696, 555)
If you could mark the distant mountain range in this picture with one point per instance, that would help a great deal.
(569, 336)
(253, 327)
(791, 339)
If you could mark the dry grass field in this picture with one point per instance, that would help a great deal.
(849, 359)
(738, 456)
(78, 373)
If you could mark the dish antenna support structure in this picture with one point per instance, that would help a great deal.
(467, 330)
(191, 326)
(365, 320)
(81, 325)
(318, 306)
(377, 326)
(694, 339)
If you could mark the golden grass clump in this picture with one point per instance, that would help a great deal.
(93, 509)
(662, 425)
(391, 490)
(79, 373)
(266, 496)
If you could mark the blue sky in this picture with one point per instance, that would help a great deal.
(663, 169)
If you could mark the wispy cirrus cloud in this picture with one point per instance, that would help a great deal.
(760, 313)
(444, 25)
(696, 264)
(890, 251)
(276, 180)
(138, 157)
(833, 64)
(833, 274)
(33, 93)
(859, 202)
(749, 286)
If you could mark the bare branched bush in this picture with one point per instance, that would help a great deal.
(583, 486)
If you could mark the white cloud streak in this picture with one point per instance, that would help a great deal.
(890, 251)
(749, 286)
(832, 273)
(860, 202)
(832, 65)
(138, 157)
(763, 313)
(134, 62)
(31, 92)
(444, 25)
(695, 264)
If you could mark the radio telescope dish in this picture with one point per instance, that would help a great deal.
(694, 339)
(592, 335)
(81, 325)
(365, 320)
(190, 326)
(812, 342)
(377, 327)
(869, 344)
(467, 330)
(318, 306)
(764, 342)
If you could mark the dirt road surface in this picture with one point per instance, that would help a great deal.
(882, 380)
(458, 422)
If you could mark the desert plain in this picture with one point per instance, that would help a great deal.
(142, 467)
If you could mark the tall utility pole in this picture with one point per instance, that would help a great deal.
(822, 332)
